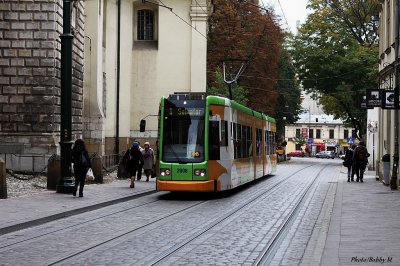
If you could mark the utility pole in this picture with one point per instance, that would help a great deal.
(65, 184)
(393, 181)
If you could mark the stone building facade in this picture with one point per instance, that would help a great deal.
(30, 90)
(125, 58)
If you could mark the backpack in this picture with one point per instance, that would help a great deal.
(361, 155)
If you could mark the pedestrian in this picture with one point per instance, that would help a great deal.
(348, 162)
(149, 160)
(140, 168)
(133, 158)
(360, 160)
(80, 159)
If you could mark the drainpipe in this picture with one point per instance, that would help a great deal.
(118, 79)
(393, 181)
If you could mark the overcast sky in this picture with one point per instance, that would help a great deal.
(294, 10)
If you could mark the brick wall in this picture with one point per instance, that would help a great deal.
(30, 53)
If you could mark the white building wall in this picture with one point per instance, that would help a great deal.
(174, 62)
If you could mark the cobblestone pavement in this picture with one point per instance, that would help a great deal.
(134, 233)
(339, 223)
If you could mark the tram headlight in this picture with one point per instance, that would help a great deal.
(165, 172)
(200, 172)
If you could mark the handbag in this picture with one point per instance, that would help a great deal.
(90, 175)
(346, 163)
(153, 172)
(122, 171)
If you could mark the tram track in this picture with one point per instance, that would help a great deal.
(269, 250)
(191, 236)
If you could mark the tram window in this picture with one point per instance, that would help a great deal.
(244, 142)
(239, 141)
(224, 133)
(258, 141)
(272, 142)
(213, 139)
(234, 141)
(249, 142)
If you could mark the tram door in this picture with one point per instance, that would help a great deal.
(213, 140)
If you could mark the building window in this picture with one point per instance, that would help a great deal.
(318, 134)
(346, 134)
(331, 133)
(145, 25)
(298, 134)
(311, 133)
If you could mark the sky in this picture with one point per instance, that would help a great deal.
(293, 10)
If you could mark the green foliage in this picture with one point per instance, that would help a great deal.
(289, 92)
(335, 62)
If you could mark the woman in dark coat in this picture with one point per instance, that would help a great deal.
(348, 162)
(133, 160)
(80, 159)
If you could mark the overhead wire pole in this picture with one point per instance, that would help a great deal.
(393, 180)
(229, 77)
(65, 184)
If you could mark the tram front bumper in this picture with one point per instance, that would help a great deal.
(187, 186)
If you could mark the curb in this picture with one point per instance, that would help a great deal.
(57, 216)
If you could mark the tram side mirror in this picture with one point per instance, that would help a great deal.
(142, 125)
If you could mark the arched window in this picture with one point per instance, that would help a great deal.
(145, 25)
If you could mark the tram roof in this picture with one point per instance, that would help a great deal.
(217, 100)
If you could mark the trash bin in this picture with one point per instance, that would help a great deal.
(386, 168)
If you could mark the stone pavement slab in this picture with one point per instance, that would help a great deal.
(23, 212)
(365, 224)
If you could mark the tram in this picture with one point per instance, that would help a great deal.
(210, 143)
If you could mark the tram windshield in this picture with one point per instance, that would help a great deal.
(183, 131)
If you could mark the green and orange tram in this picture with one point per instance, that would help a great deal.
(210, 143)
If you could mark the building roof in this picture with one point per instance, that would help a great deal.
(306, 118)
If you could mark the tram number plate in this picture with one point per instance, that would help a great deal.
(182, 170)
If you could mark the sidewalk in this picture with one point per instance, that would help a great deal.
(22, 212)
(364, 227)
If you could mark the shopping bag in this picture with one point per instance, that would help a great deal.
(122, 171)
(90, 175)
(153, 172)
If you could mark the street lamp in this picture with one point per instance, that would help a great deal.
(65, 184)
(373, 128)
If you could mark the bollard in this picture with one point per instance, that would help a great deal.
(97, 167)
(3, 180)
(53, 172)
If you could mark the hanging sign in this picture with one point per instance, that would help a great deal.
(390, 99)
(363, 102)
(374, 98)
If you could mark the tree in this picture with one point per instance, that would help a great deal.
(289, 102)
(336, 55)
(239, 30)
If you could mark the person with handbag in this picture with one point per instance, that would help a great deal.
(133, 158)
(80, 159)
(149, 160)
(348, 162)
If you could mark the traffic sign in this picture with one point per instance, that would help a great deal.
(350, 140)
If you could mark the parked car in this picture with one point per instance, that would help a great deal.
(296, 154)
(325, 155)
